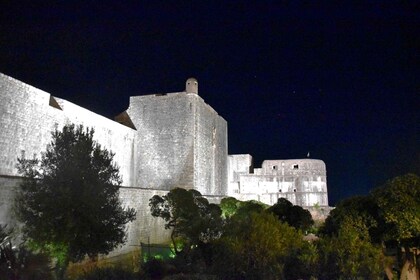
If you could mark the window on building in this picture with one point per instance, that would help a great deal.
(274, 167)
(296, 166)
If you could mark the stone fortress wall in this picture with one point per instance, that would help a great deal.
(29, 115)
(301, 181)
(160, 142)
(182, 142)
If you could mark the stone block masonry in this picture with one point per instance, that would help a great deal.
(301, 181)
(180, 142)
(162, 141)
(29, 115)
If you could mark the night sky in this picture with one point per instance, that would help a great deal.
(338, 81)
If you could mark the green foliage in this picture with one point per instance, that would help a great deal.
(157, 268)
(302, 263)
(350, 254)
(108, 273)
(7, 256)
(191, 217)
(254, 247)
(229, 205)
(360, 207)
(198, 276)
(390, 214)
(249, 206)
(399, 203)
(68, 202)
(17, 262)
(154, 251)
(293, 215)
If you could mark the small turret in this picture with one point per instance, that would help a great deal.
(191, 86)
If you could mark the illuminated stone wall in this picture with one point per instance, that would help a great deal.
(182, 142)
(27, 118)
(163, 142)
(210, 153)
(146, 228)
(164, 149)
(29, 115)
(237, 165)
(160, 142)
(302, 181)
(26, 121)
(8, 186)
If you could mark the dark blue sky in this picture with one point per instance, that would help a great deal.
(340, 81)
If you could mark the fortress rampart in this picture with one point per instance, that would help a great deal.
(29, 115)
(160, 142)
(301, 181)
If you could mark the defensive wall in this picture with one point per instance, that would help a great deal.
(301, 181)
(29, 115)
(160, 142)
(182, 142)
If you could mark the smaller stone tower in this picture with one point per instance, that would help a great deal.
(191, 86)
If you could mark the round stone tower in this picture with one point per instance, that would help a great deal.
(191, 86)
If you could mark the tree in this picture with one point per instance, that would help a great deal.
(350, 254)
(245, 208)
(254, 246)
(399, 205)
(294, 215)
(390, 215)
(190, 216)
(16, 262)
(360, 207)
(303, 262)
(229, 206)
(68, 202)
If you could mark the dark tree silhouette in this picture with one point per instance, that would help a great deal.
(69, 200)
(294, 215)
(190, 216)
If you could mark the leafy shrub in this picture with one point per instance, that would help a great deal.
(254, 246)
(17, 262)
(157, 269)
(182, 276)
(109, 273)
